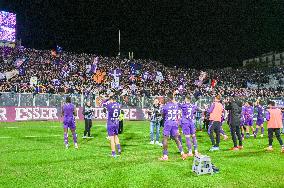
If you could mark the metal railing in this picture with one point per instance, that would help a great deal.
(55, 100)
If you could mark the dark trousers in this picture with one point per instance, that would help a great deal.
(206, 124)
(88, 126)
(214, 126)
(277, 134)
(236, 135)
(120, 127)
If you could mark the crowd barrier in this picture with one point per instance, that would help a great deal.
(45, 113)
(27, 106)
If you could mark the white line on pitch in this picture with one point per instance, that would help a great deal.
(32, 136)
(5, 137)
(11, 127)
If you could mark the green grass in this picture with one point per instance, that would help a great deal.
(44, 162)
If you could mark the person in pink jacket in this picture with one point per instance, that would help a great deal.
(215, 118)
(274, 123)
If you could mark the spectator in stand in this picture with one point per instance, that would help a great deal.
(88, 74)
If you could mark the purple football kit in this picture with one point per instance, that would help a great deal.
(69, 119)
(260, 119)
(260, 115)
(69, 122)
(187, 118)
(113, 112)
(243, 116)
(188, 112)
(170, 111)
(249, 111)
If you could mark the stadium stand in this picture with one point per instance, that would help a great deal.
(24, 70)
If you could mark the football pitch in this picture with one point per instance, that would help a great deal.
(32, 154)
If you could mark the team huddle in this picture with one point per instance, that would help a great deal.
(183, 114)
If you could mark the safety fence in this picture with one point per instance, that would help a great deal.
(27, 106)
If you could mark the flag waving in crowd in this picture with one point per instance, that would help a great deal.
(116, 73)
(19, 63)
(95, 65)
(201, 78)
(159, 77)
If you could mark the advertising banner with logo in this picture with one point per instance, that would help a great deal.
(41, 113)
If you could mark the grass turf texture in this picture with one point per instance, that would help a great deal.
(43, 161)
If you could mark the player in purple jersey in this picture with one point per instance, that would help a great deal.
(222, 132)
(282, 109)
(249, 112)
(105, 102)
(113, 111)
(242, 124)
(170, 114)
(260, 118)
(188, 111)
(69, 113)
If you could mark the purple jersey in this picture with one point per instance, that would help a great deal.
(243, 109)
(69, 119)
(243, 115)
(68, 110)
(249, 111)
(113, 112)
(170, 111)
(188, 112)
(260, 112)
(260, 115)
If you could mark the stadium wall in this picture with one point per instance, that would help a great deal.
(45, 113)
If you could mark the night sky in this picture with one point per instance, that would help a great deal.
(195, 34)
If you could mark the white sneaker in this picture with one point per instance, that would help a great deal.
(84, 137)
(196, 153)
(76, 146)
(152, 142)
(261, 135)
(214, 149)
(66, 146)
(158, 143)
(189, 154)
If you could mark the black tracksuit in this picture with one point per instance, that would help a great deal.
(235, 108)
(88, 115)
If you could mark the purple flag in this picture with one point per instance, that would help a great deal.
(95, 65)
(19, 62)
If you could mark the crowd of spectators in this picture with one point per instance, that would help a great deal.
(60, 72)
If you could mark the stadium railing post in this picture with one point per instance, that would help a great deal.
(19, 99)
(34, 100)
(82, 100)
